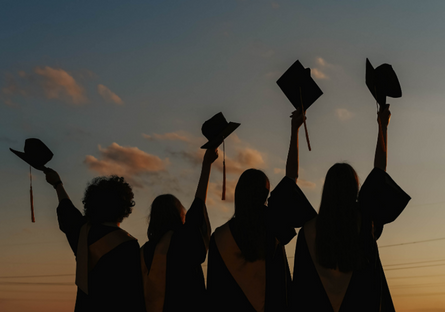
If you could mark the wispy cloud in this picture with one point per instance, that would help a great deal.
(245, 159)
(58, 84)
(343, 114)
(318, 74)
(279, 171)
(194, 157)
(108, 95)
(129, 162)
(172, 136)
(306, 184)
(215, 190)
(46, 82)
(275, 5)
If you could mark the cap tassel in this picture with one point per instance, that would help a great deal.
(31, 197)
(223, 197)
(304, 122)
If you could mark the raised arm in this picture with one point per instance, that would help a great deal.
(381, 150)
(53, 178)
(209, 157)
(292, 162)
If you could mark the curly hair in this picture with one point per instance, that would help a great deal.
(108, 199)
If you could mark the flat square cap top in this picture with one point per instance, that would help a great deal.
(298, 85)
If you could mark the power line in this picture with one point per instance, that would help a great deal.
(415, 276)
(33, 276)
(426, 261)
(415, 267)
(417, 242)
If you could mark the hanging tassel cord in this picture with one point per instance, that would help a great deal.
(33, 219)
(223, 197)
(304, 122)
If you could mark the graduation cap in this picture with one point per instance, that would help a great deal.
(36, 154)
(382, 82)
(216, 129)
(301, 90)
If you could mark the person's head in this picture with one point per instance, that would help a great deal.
(167, 213)
(337, 221)
(108, 199)
(252, 189)
(340, 187)
(251, 193)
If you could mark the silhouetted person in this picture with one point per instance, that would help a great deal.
(108, 272)
(337, 265)
(177, 246)
(247, 264)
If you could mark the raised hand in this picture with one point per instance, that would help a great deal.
(297, 118)
(210, 156)
(384, 115)
(52, 177)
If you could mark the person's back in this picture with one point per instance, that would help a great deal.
(177, 246)
(108, 273)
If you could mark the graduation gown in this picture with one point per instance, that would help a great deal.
(315, 288)
(234, 284)
(172, 273)
(115, 282)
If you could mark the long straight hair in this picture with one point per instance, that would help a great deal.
(164, 216)
(338, 227)
(251, 193)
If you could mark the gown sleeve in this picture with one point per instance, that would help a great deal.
(70, 221)
(288, 209)
(381, 199)
(191, 241)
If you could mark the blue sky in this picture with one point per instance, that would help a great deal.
(124, 87)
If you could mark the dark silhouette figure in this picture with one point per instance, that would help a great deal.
(337, 265)
(177, 246)
(247, 264)
(108, 272)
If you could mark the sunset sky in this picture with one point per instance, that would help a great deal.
(123, 87)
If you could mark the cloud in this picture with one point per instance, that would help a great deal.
(45, 82)
(306, 184)
(245, 159)
(279, 171)
(320, 61)
(172, 136)
(58, 84)
(318, 74)
(129, 162)
(215, 189)
(108, 95)
(195, 157)
(343, 114)
(275, 5)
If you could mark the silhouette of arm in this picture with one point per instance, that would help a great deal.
(53, 178)
(209, 157)
(292, 162)
(381, 150)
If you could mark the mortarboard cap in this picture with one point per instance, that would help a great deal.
(382, 82)
(296, 79)
(37, 154)
(216, 129)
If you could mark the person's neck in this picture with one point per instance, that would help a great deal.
(115, 224)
